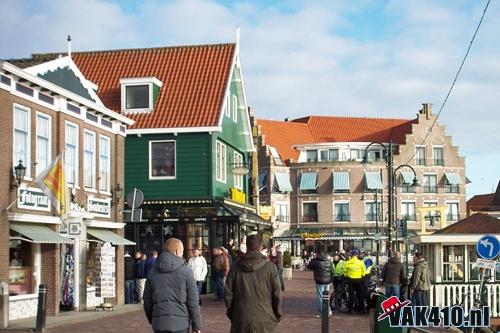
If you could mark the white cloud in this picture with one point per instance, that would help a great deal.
(306, 58)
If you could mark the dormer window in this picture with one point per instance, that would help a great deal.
(139, 94)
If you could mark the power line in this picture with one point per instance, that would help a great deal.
(454, 80)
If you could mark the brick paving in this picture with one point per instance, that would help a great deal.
(298, 316)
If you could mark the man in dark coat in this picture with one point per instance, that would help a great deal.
(279, 265)
(322, 267)
(171, 298)
(253, 291)
(393, 276)
(130, 276)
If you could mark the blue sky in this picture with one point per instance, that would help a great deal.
(364, 58)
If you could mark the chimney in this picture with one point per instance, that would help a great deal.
(426, 110)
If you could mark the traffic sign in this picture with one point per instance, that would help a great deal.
(488, 247)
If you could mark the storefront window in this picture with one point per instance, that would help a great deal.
(453, 263)
(20, 268)
(150, 237)
(473, 269)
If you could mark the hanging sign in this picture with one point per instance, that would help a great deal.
(31, 198)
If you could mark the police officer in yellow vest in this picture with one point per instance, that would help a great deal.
(355, 271)
(338, 269)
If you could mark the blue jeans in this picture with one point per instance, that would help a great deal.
(392, 290)
(219, 288)
(420, 297)
(129, 291)
(319, 292)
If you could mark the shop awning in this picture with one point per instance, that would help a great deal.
(108, 236)
(301, 233)
(453, 178)
(308, 181)
(407, 177)
(283, 181)
(341, 181)
(247, 216)
(39, 233)
(373, 181)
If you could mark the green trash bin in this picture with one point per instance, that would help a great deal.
(382, 326)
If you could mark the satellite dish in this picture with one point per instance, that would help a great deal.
(135, 198)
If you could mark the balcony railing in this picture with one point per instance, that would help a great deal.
(430, 189)
(410, 217)
(310, 218)
(408, 188)
(420, 161)
(452, 188)
(371, 217)
(452, 217)
(342, 217)
(438, 161)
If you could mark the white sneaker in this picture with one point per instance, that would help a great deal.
(318, 316)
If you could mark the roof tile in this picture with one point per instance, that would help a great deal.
(474, 224)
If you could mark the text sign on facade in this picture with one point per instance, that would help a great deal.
(237, 195)
(100, 207)
(487, 264)
(30, 198)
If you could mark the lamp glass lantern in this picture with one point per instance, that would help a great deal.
(19, 172)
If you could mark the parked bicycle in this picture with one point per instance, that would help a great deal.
(339, 299)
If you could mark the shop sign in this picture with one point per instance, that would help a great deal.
(75, 228)
(311, 235)
(237, 195)
(30, 198)
(100, 207)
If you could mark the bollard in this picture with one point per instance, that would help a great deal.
(325, 310)
(41, 312)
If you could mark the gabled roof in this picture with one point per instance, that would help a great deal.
(474, 224)
(194, 79)
(485, 202)
(318, 129)
(283, 135)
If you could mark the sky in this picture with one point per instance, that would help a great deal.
(346, 58)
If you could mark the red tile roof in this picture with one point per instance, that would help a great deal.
(485, 202)
(282, 135)
(474, 224)
(194, 80)
(315, 129)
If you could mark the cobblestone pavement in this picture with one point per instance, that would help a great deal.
(298, 315)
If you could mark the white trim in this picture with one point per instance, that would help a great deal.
(237, 155)
(33, 218)
(227, 106)
(217, 162)
(141, 80)
(174, 130)
(108, 166)
(234, 107)
(27, 163)
(49, 151)
(23, 297)
(94, 168)
(151, 177)
(77, 151)
(66, 93)
(462, 239)
(123, 97)
(348, 202)
(105, 224)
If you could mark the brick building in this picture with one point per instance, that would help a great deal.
(323, 196)
(46, 109)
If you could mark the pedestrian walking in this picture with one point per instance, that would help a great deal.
(355, 270)
(393, 276)
(420, 280)
(141, 275)
(130, 277)
(219, 267)
(322, 268)
(253, 291)
(170, 296)
(279, 265)
(198, 265)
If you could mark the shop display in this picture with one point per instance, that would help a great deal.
(68, 278)
(105, 271)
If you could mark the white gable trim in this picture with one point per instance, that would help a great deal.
(174, 130)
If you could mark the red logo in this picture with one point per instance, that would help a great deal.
(390, 305)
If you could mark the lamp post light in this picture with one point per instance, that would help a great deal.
(117, 194)
(19, 173)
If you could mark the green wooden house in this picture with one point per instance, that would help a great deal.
(190, 148)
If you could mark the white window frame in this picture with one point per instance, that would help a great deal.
(92, 161)
(234, 106)
(437, 181)
(434, 157)
(333, 210)
(49, 142)
(317, 210)
(107, 190)
(414, 209)
(220, 162)
(26, 163)
(238, 179)
(371, 202)
(150, 165)
(77, 155)
(452, 202)
(327, 155)
(277, 209)
(416, 155)
(227, 105)
(144, 81)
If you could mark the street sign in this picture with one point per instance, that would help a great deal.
(485, 263)
(488, 247)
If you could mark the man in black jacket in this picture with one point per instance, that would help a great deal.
(322, 267)
(130, 276)
(170, 297)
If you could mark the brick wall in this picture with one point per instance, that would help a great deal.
(50, 276)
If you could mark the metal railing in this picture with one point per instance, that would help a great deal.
(342, 217)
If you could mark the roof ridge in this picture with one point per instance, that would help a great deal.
(349, 117)
(33, 55)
